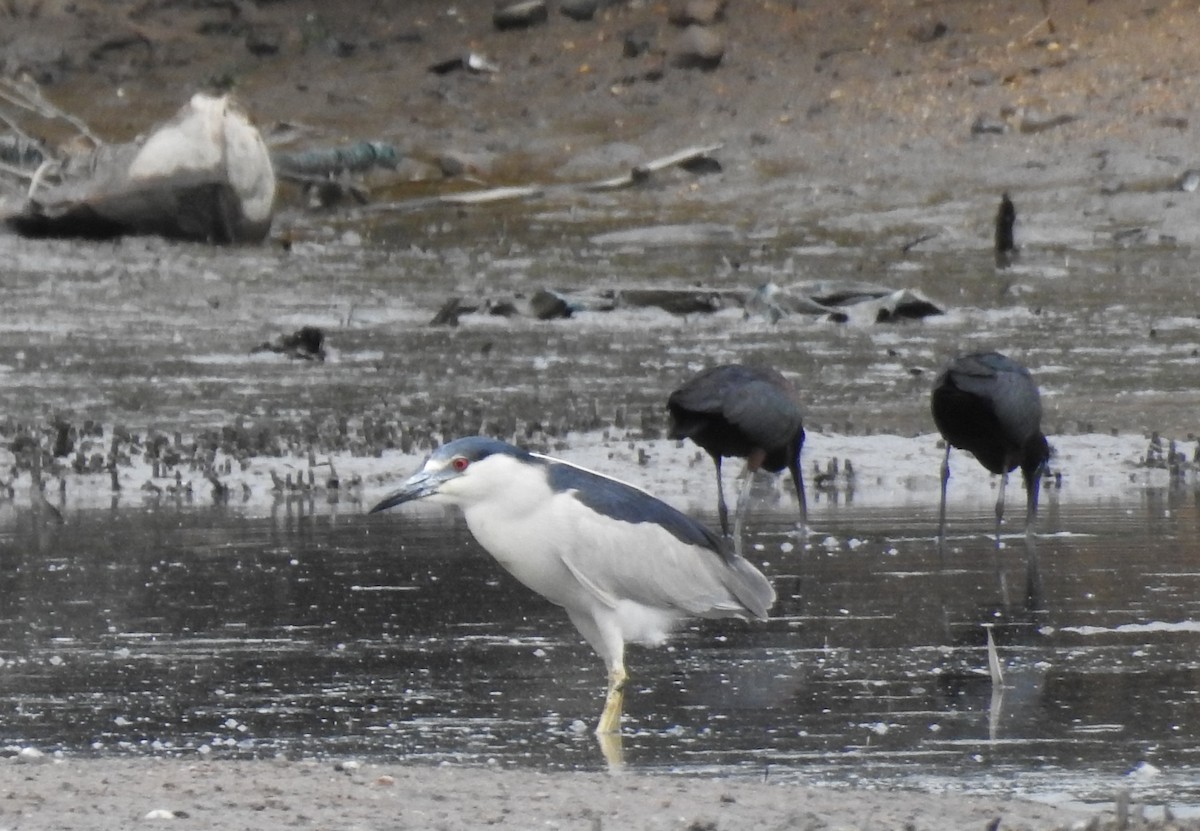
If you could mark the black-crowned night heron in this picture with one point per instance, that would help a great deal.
(626, 566)
(749, 412)
(988, 405)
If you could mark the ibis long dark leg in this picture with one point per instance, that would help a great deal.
(1033, 484)
(942, 506)
(1000, 506)
(753, 463)
(722, 509)
(798, 480)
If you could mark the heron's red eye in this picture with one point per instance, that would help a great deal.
(459, 463)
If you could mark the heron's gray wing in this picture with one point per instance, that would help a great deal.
(619, 561)
(633, 546)
(622, 501)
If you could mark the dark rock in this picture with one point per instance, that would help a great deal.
(449, 313)
(340, 48)
(929, 32)
(984, 125)
(263, 41)
(696, 12)
(519, 14)
(675, 301)
(549, 305)
(639, 40)
(578, 9)
(701, 165)
(501, 308)
(306, 343)
(1036, 121)
(453, 163)
(982, 78)
(699, 48)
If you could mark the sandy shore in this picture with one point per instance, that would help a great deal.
(234, 795)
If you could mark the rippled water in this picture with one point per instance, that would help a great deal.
(169, 630)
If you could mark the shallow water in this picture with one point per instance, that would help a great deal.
(161, 629)
(201, 630)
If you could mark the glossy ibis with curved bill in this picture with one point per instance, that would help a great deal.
(988, 405)
(749, 412)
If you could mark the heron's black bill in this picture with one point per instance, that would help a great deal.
(388, 502)
(417, 487)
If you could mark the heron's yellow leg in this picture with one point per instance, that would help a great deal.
(610, 719)
(614, 753)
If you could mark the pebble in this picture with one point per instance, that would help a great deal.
(519, 14)
(1037, 121)
(578, 9)
(695, 12)
(1189, 181)
(160, 813)
(639, 40)
(30, 755)
(699, 48)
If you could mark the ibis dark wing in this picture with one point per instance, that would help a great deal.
(1007, 386)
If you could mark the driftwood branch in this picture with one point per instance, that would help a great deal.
(636, 175)
(28, 97)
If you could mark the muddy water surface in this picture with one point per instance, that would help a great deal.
(155, 628)
(145, 331)
(183, 631)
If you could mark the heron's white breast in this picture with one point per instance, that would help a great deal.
(528, 543)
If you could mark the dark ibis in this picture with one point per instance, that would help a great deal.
(749, 412)
(988, 405)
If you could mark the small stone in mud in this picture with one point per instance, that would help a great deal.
(981, 78)
(501, 308)
(929, 32)
(696, 12)
(578, 9)
(453, 163)
(448, 314)
(1037, 121)
(639, 40)
(264, 40)
(549, 305)
(1189, 181)
(985, 124)
(519, 14)
(306, 343)
(699, 48)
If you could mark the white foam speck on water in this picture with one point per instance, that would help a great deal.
(1136, 628)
